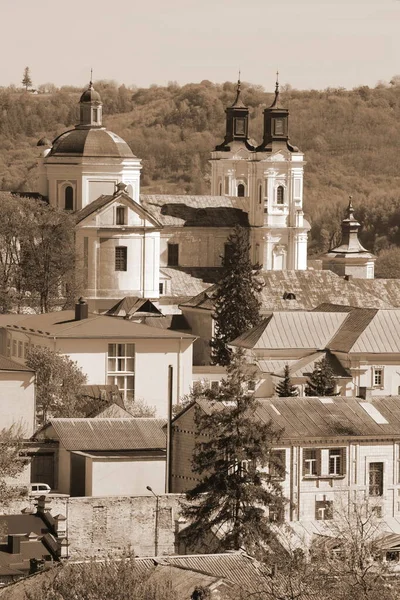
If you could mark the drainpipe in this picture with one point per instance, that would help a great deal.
(169, 437)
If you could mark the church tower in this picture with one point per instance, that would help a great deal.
(270, 178)
(350, 258)
(88, 161)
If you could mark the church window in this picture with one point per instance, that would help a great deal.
(220, 188)
(260, 193)
(121, 258)
(69, 198)
(120, 215)
(227, 185)
(280, 194)
(241, 190)
(279, 127)
(161, 288)
(95, 115)
(240, 127)
(173, 255)
(121, 368)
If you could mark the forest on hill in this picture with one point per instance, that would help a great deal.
(351, 139)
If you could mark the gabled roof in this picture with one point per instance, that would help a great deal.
(302, 330)
(62, 324)
(107, 434)
(307, 419)
(197, 211)
(130, 305)
(380, 335)
(357, 321)
(106, 199)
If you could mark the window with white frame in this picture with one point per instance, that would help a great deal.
(375, 479)
(311, 462)
(280, 194)
(121, 368)
(336, 461)
(377, 376)
(323, 510)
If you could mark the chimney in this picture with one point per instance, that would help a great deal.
(365, 393)
(81, 309)
(14, 543)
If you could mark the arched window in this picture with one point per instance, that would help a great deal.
(240, 190)
(69, 198)
(280, 194)
(259, 194)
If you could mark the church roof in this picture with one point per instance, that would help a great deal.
(95, 142)
(105, 199)
(200, 211)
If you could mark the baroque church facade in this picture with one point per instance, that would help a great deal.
(127, 241)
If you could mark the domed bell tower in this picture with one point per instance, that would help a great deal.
(90, 109)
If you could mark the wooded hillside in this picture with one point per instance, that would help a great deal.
(351, 140)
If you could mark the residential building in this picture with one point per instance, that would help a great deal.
(139, 359)
(105, 456)
(334, 451)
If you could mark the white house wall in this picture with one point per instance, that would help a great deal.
(127, 476)
(17, 401)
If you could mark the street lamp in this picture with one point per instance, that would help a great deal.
(156, 519)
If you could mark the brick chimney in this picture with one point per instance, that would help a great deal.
(81, 309)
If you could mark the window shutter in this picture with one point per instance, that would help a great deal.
(343, 456)
(319, 466)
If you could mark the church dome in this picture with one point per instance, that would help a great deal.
(91, 143)
(90, 95)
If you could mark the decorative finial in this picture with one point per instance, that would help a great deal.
(91, 77)
(350, 209)
(277, 83)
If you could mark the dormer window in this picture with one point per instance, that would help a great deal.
(280, 195)
(69, 198)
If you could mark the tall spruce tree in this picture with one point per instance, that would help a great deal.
(236, 303)
(321, 381)
(229, 507)
(285, 388)
(26, 80)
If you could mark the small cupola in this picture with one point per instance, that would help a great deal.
(276, 122)
(90, 113)
(237, 122)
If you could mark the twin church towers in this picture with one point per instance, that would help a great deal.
(130, 244)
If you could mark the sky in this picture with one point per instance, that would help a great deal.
(313, 43)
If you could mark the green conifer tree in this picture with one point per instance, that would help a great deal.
(285, 388)
(321, 381)
(26, 80)
(227, 508)
(236, 303)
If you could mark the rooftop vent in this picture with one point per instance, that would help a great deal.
(289, 296)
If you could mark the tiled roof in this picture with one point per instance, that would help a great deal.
(388, 290)
(303, 330)
(109, 434)
(62, 324)
(9, 365)
(183, 284)
(197, 211)
(309, 288)
(337, 417)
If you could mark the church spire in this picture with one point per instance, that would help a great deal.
(350, 229)
(90, 114)
(237, 122)
(276, 123)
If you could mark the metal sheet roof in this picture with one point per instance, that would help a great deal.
(381, 335)
(62, 324)
(109, 434)
(298, 330)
